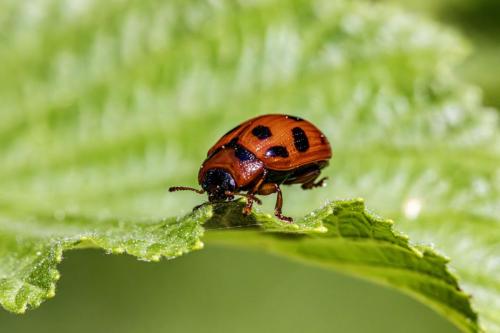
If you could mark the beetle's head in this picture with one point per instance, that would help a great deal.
(217, 182)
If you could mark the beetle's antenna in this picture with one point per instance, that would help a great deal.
(185, 188)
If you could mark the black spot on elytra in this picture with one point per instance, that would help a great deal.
(295, 118)
(277, 151)
(261, 132)
(233, 143)
(232, 130)
(300, 139)
(243, 154)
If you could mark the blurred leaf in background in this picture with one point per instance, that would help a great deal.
(218, 290)
(479, 21)
(104, 105)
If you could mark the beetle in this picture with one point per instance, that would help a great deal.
(258, 156)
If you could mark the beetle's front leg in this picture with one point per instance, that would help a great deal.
(248, 207)
(251, 194)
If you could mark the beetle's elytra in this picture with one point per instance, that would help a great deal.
(259, 155)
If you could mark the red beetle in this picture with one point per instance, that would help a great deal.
(259, 155)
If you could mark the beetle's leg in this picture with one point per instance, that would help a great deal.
(251, 194)
(310, 183)
(270, 188)
(185, 188)
(307, 179)
(248, 207)
(267, 188)
(279, 205)
(253, 197)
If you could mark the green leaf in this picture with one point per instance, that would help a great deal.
(31, 247)
(344, 236)
(99, 118)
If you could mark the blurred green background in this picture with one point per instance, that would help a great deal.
(218, 289)
(479, 22)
